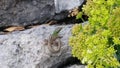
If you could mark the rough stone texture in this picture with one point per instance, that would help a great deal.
(77, 66)
(26, 49)
(27, 12)
(61, 5)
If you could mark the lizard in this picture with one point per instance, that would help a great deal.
(54, 40)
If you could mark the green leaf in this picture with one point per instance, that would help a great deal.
(79, 15)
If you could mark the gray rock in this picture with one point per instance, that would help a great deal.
(61, 5)
(25, 12)
(26, 49)
(28, 12)
(77, 66)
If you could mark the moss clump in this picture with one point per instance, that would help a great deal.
(97, 44)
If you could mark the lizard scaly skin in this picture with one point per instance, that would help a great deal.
(54, 41)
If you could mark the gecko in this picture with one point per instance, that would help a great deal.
(54, 41)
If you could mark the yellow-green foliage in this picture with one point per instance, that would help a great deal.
(114, 22)
(97, 43)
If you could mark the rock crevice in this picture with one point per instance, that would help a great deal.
(28, 12)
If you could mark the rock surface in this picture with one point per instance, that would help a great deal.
(77, 66)
(28, 12)
(26, 49)
(61, 5)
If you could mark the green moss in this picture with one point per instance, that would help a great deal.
(97, 43)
